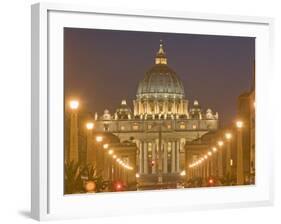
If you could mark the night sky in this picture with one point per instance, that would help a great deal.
(102, 67)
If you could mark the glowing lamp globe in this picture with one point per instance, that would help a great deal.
(239, 124)
(90, 125)
(90, 186)
(99, 138)
(105, 146)
(74, 104)
(220, 143)
(228, 135)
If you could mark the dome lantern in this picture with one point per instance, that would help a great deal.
(161, 56)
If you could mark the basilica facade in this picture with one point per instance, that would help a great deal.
(161, 122)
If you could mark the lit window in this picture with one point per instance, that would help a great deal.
(194, 126)
(122, 128)
(182, 126)
(135, 127)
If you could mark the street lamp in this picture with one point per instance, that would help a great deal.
(73, 144)
(240, 165)
(220, 143)
(90, 125)
(239, 124)
(91, 154)
(214, 149)
(99, 139)
(105, 146)
(220, 166)
(74, 104)
(228, 136)
(100, 155)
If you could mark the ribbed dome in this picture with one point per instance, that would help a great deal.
(160, 79)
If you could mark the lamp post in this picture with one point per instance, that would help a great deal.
(220, 165)
(108, 161)
(228, 137)
(209, 172)
(73, 146)
(91, 157)
(240, 166)
(99, 153)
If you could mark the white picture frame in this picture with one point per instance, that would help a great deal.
(48, 201)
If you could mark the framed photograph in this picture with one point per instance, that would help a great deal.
(138, 111)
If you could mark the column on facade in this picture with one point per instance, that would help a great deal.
(120, 173)
(164, 107)
(165, 157)
(145, 158)
(212, 166)
(174, 107)
(141, 157)
(208, 168)
(116, 170)
(153, 145)
(178, 156)
(177, 108)
(204, 165)
(140, 107)
(202, 170)
(180, 107)
(156, 107)
(148, 111)
(174, 147)
(135, 107)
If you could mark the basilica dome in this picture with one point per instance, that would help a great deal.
(160, 80)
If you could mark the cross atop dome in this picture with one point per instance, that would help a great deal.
(161, 56)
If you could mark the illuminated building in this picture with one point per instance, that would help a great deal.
(160, 122)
